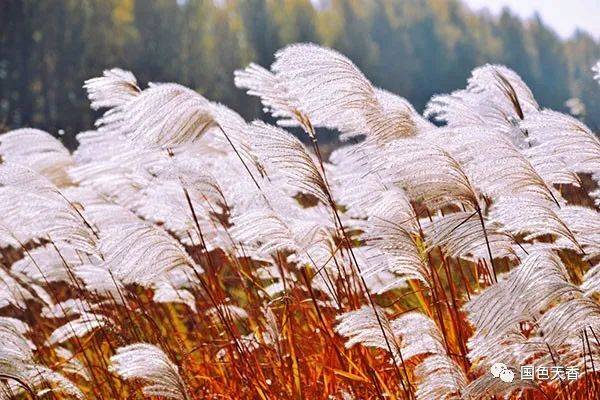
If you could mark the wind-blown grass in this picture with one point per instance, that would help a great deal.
(182, 252)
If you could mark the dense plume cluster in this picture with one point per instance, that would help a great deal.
(182, 252)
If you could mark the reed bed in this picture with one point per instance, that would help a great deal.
(181, 252)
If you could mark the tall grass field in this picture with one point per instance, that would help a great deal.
(181, 252)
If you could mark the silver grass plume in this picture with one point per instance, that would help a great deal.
(39, 151)
(413, 335)
(565, 139)
(164, 115)
(13, 292)
(461, 235)
(584, 223)
(520, 297)
(314, 86)
(113, 89)
(440, 378)
(48, 263)
(393, 229)
(167, 293)
(288, 155)
(363, 327)
(150, 364)
(43, 212)
(430, 174)
(17, 363)
(139, 252)
(498, 168)
(534, 218)
(495, 97)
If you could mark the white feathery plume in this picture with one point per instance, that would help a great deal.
(106, 215)
(461, 235)
(393, 118)
(98, 279)
(8, 238)
(165, 292)
(584, 223)
(134, 251)
(564, 331)
(522, 296)
(167, 203)
(68, 308)
(430, 174)
(113, 89)
(43, 377)
(168, 117)
(71, 364)
(440, 378)
(263, 83)
(377, 269)
(14, 344)
(496, 79)
(332, 92)
(419, 334)
(569, 319)
(413, 335)
(270, 231)
(363, 327)
(138, 252)
(354, 181)
(17, 289)
(591, 281)
(99, 145)
(17, 363)
(551, 169)
(119, 177)
(304, 76)
(498, 168)
(164, 202)
(235, 134)
(319, 87)
(39, 151)
(277, 233)
(565, 139)
(48, 264)
(150, 364)
(12, 292)
(304, 235)
(495, 97)
(196, 175)
(534, 218)
(163, 115)
(43, 210)
(287, 154)
(393, 229)
(79, 327)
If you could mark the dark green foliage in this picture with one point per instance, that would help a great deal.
(414, 48)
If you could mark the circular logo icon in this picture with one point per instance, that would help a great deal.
(507, 376)
(497, 369)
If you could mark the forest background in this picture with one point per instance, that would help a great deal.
(414, 48)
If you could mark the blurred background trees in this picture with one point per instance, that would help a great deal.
(412, 47)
